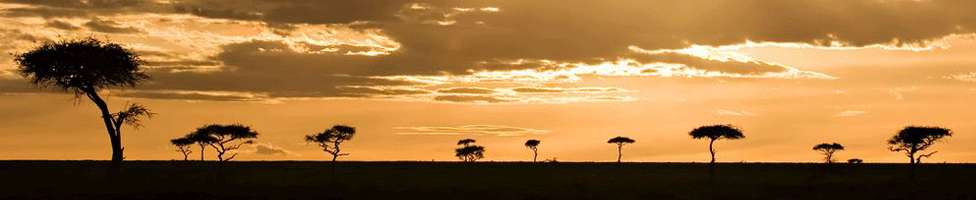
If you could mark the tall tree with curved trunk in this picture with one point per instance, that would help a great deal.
(828, 150)
(915, 139)
(85, 67)
(226, 139)
(716, 132)
(533, 145)
(331, 139)
(620, 141)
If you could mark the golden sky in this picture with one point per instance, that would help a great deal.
(416, 76)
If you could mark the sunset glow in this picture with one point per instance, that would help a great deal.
(415, 76)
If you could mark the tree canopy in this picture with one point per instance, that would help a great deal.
(828, 147)
(224, 138)
(715, 132)
(465, 141)
(621, 140)
(532, 144)
(81, 66)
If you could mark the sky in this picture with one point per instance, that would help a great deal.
(415, 76)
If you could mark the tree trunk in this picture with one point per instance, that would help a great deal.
(535, 154)
(711, 150)
(619, 152)
(202, 148)
(113, 135)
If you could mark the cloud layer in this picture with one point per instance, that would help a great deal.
(475, 130)
(462, 51)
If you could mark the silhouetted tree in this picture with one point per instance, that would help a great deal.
(203, 139)
(715, 132)
(465, 142)
(183, 146)
(828, 150)
(330, 139)
(855, 161)
(915, 139)
(620, 141)
(468, 152)
(533, 145)
(229, 138)
(85, 67)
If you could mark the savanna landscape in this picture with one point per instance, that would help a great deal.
(439, 99)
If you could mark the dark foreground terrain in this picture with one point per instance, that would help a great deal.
(430, 180)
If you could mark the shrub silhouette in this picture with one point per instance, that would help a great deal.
(716, 132)
(330, 139)
(855, 161)
(183, 146)
(914, 139)
(533, 145)
(225, 138)
(828, 150)
(85, 67)
(468, 152)
(620, 141)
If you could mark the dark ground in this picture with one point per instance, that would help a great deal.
(443, 180)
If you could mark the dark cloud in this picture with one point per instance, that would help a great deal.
(466, 90)
(59, 24)
(107, 26)
(566, 90)
(373, 91)
(538, 90)
(471, 99)
(492, 130)
(274, 69)
(731, 66)
(191, 95)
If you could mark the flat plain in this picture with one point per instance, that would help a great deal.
(481, 180)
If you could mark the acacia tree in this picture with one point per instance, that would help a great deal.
(331, 138)
(226, 139)
(620, 141)
(183, 146)
(201, 138)
(828, 150)
(914, 139)
(533, 145)
(85, 67)
(468, 152)
(716, 132)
